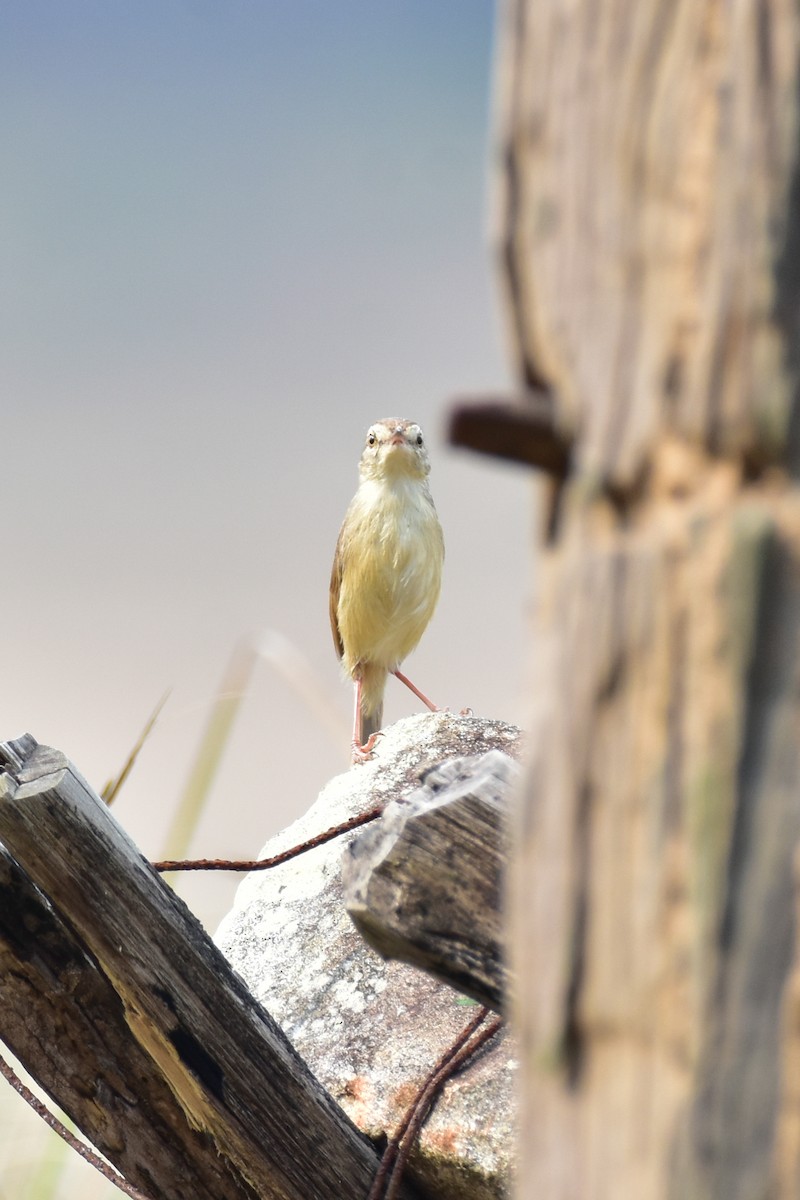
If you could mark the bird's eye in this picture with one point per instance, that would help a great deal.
(419, 439)
(371, 439)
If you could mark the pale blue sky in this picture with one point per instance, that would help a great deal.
(231, 236)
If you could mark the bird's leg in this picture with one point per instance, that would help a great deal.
(358, 752)
(420, 695)
(465, 712)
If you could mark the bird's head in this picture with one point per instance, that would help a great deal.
(394, 449)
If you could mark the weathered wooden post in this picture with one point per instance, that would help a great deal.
(650, 238)
(122, 1008)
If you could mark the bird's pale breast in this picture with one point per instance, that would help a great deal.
(391, 573)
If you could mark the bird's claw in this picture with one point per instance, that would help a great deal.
(362, 754)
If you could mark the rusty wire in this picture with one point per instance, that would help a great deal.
(386, 1185)
(76, 1144)
(263, 864)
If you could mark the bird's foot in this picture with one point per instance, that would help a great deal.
(362, 754)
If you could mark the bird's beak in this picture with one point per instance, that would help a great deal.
(397, 439)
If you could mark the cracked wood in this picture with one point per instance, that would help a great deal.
(116, 1000)
(424, 884)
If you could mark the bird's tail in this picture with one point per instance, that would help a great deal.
(373, 685)
(371, 723)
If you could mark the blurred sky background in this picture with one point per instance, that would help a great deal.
(233, 235)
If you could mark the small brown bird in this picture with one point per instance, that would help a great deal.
(387, 571)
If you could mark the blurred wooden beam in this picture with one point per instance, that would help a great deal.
(519, 429)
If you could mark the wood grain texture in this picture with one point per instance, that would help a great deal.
(787, 1155)
(648, 228)
(424, 885)
(646, 159)
(63, 1018)
(165, 1003)
(652, 922)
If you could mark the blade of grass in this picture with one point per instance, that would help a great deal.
(286, 659)
(225, 706)
(295, 668)
(109, 792)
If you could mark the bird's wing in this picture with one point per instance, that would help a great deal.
(336, 586)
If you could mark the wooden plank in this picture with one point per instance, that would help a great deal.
(60, 1014)
(424, 884)
(178, 1010)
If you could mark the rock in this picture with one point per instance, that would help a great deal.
(371, 1030)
